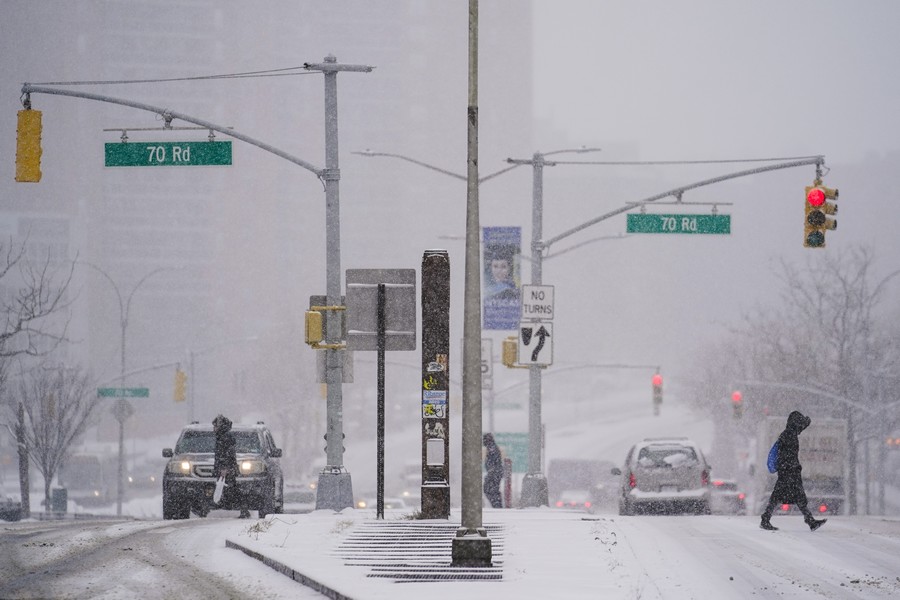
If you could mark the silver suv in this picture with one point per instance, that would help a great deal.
(189, 481)
(666, 475)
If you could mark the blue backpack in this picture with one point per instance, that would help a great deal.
(772, 461)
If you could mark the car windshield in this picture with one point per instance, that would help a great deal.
(666, 456)
(205, 441)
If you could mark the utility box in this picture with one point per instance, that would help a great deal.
(59, 500)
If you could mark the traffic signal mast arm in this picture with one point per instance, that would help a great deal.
(819, 161)
(168, 115)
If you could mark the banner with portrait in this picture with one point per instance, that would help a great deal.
(500, 289)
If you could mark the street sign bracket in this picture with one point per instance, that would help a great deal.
(167, 127)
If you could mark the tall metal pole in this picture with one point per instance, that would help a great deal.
(335, 488)
(534, 484)
(471, 546)
(123, 408)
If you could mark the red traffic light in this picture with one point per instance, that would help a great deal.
(816, 196)
(657, 380)
(736, 397)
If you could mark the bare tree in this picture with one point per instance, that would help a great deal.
(31, 296)
(58, 404)
(823, 333)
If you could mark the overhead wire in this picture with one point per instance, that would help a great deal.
(245, 75)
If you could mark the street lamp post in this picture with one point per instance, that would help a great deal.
(123, 409)
(534, 484)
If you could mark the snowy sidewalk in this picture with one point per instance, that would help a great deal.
(353, 555)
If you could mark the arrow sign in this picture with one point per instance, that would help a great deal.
(535, 343)
(541, 335)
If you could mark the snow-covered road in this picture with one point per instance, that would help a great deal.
(545, 553)
(728, 557)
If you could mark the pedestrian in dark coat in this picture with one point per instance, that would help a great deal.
(225, 464)
(789, 486)
(493, 464)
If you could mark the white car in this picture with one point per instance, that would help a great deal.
(664, 475)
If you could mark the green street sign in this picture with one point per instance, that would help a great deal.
(167, 154)
(647, 223)
(123, 392)
(515, 447)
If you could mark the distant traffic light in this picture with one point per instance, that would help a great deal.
(657, 389)
(816, 210)
(28, 146)
(180, 381)
(737, 404)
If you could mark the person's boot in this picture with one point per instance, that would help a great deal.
(766, 524)
(815, 523)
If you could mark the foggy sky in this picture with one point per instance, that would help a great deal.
(652, 80)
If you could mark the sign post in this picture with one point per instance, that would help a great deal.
(381, 316)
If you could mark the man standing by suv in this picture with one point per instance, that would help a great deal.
(225, 463)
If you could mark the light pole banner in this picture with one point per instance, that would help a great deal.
(500, 291)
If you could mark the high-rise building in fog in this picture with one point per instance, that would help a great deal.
(214, 266)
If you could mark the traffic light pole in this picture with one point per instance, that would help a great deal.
(534, 484)
(334, 490)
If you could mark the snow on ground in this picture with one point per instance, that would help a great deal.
(549, 553)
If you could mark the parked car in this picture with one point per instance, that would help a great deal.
(664, 475)
(573, 500)
(189, 481)
(299, 499)
(726, 499)
(371, 502)
(582, 477)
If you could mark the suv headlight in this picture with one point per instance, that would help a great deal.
(180, 467)
(252, 467)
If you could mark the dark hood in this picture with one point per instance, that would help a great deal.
(797, 422)
(222, 424)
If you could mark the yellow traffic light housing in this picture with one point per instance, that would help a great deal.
(817, 208)
(314, 330)
(180, 384)
(510, 354)
(28, 146)
(313, 327)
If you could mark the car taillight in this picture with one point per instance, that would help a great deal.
(632, 482)
(704, 477)
(560, 504)
(785, 507)
(587, 504)
(741, 496)
(823, 508)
